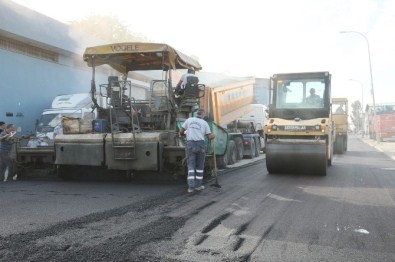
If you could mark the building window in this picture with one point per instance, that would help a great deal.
(26, 49)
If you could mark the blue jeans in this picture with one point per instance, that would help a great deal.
(196, 151)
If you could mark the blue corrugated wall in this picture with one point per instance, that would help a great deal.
(28, 85)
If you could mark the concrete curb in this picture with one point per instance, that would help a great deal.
(387, 148)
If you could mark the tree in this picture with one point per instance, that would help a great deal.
(108, 28)
(357, 117)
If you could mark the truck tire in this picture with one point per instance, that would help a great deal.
(257, 147)
(232, 152)
(252, 145)
(264, 146)
(239, 147)
(221, 161)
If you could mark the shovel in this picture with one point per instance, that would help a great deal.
(216, 184)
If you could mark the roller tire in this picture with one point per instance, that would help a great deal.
(339, 145)
(323, 168)
(345, 143)
(331, 157)
(270, 167)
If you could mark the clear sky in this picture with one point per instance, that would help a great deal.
(261, 37)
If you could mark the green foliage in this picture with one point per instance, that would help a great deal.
(356, 115)
(108, 28)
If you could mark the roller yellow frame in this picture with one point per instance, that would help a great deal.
(299, 132)
(340, 118)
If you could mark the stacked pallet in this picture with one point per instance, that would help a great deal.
(76, 125)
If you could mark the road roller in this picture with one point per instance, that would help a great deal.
(299, 133)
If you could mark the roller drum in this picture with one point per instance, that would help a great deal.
(310, 158)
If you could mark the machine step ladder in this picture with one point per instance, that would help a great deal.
(123, 119)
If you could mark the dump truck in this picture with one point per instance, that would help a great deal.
(382, 123)
(257, 120)
(229, 103)
(299, 133)
(135, 136)
(257, 116)
(340, 118)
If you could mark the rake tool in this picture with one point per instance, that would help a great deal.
(216, 184)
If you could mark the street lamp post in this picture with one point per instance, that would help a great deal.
(370, 66)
